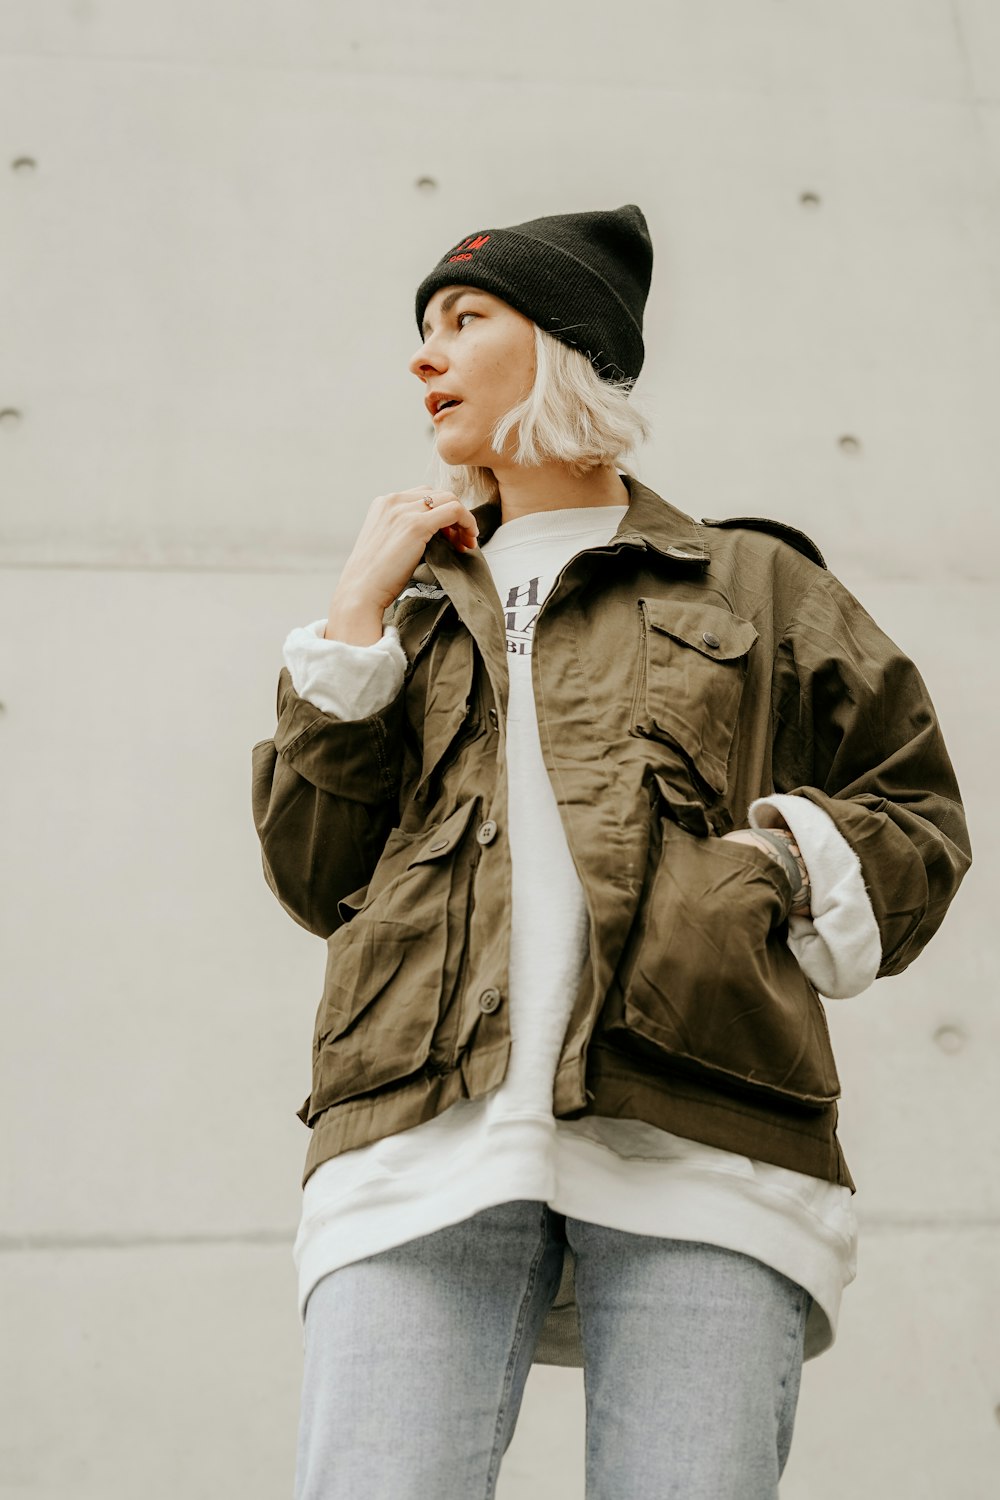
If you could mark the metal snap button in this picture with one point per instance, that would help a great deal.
(494, 718)
(710, 638)
(487, 832)
(489, 1000)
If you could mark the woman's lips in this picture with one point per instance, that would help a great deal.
(444, 410)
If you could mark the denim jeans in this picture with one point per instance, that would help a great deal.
(416, 1360)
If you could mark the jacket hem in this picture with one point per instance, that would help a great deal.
(806, 1143)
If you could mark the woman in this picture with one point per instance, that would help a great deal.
(589, 801)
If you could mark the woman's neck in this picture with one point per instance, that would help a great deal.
(552, 487)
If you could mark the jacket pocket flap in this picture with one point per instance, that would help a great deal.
(446, 835)
(714, 632)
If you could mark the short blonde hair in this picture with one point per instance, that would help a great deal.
(570, 416)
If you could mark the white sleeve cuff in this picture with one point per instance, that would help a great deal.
(352, 682)
(839, 947)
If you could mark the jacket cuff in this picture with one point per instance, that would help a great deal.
(839, 947)
(352, 682)
(357, 759)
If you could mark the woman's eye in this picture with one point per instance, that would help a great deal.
(466, 315)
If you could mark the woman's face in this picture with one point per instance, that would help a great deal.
(481, 351)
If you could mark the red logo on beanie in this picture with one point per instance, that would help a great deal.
(470, 243)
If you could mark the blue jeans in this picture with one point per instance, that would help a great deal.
(416, 1359)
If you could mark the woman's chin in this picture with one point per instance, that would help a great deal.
(452, 450)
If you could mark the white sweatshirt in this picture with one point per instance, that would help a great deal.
(623, 1174)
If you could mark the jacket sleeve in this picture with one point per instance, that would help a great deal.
(349, 681)
(325, 795)
(838, 946)
(856, 733)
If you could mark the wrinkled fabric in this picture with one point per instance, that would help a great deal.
(681, 671)
(619, 1173)
(837, 945)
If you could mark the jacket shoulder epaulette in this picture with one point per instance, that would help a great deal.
(780, 529)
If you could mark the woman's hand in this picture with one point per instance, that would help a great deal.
(764, 838)
(390, 543)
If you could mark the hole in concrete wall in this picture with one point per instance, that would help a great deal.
(849, 444)
(9, 415)
(950, 1038)
(426, 184)
(23, 164)
(809, 200)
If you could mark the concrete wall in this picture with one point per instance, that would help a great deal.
(214, 216)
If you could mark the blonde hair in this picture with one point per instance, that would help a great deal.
(570, 416)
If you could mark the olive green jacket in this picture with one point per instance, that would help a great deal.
(680, 671)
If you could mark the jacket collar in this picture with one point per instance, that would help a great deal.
(650, 521)
(653, 522)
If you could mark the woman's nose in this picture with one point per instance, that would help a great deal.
(423, 366)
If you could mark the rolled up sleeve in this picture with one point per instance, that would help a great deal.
(856, 734)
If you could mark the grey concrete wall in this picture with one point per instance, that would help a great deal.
(214, 216)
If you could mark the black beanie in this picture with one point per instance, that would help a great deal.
(584, 278)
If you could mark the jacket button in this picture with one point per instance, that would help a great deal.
(437, 846)
(487, 832)
(494, 719)
(489, 1000)
(711, 639)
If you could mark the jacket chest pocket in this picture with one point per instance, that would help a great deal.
(689, 681)
(392, 966)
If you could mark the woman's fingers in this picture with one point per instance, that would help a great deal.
(461, 537)
(393, 537)
(448, 514)
(392, 540)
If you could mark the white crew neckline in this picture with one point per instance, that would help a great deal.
(567, 520)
